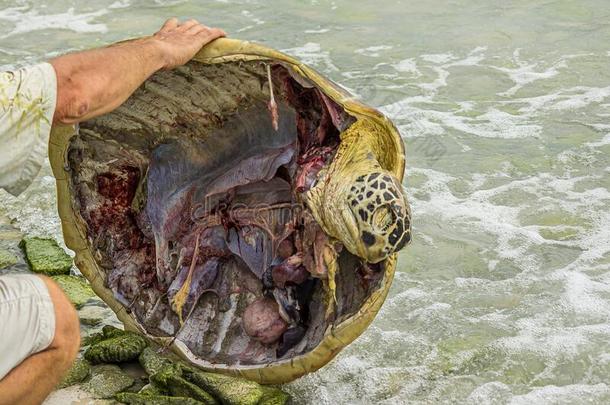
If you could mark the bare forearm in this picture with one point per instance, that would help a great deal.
(94, 82)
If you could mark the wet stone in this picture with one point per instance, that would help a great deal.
(273, 396)
(110, 331)
(45, 256)
(90, 321)
(92, 339)
(107, 380)
(77, 373)
(170, 378)
(178, 386)
(10, 253)
(139, 383)
(152, 361)
(7, 258)
(151, 389)
(7, 231)
(144, 399)
(76, 288)
(126, 346)
(230, 390)
(92, 315)
(75, 394)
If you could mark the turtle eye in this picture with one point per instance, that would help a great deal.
(382, 219)
(368, 238)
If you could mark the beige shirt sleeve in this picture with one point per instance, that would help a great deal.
(27, 105)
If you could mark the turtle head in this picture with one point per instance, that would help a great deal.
(368, 214)
(381, 215)
(358, 201)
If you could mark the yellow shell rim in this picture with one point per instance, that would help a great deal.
(337, 336)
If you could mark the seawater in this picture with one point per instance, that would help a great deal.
(504, 295)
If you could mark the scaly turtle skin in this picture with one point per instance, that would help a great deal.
(113, 183)
(358, 202)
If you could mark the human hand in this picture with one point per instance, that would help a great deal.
(179, 42)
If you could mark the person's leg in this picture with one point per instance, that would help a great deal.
(31, 381)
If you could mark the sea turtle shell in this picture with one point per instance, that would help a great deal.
(130, 181)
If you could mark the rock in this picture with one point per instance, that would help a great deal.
(152, 361)
(45, 256)
(143, 399)
(7, 231)
(7, 258)
(273, 396)
(170, 378)
(92, 315)
(139, 383)
(75, 394)
(92, 339)
(126, 346)
(89, 321)
(180, 387)
(107, 380)
(77, 373)
(230, 390)
(161, 378)
(151, 389)
(173, 382)
(76, 288)
(110, 331)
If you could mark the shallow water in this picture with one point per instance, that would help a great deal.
(504, 295)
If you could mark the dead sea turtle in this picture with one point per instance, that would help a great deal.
(242, 210)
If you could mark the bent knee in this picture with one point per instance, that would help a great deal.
(67, 326)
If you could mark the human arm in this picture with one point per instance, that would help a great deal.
(94, 82)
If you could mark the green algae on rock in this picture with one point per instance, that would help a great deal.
(162, 377)
(91, 315)
(230, 390)
(107, 380)
(170, 378)
(7, 258)
(171, 381)
(109, 331)
(140, 381)
(151, 389)
(144, 399)
(76, 289)
(273, 396)
(92, 339)
(45, 256)
(152, 362)
(77, 373)
(89, 321)
(178, 386)
(124, 347)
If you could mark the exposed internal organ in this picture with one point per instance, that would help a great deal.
(262, 321)
(290, 271)
(205, 210)
(178, 224)
(310, 165)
